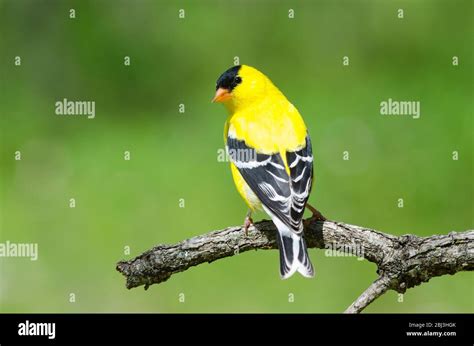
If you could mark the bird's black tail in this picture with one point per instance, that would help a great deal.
(293, 254)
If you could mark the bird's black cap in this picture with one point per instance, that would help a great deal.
(229, 79)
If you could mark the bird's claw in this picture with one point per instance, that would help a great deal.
(247, 223)
(317, 216)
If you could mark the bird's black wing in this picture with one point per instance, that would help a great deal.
(300, 163)
(285, 196)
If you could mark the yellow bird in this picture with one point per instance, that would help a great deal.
(271, 158)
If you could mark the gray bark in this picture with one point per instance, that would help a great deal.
(402, 262)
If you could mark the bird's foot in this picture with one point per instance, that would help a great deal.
(317, 216)
(247, 223)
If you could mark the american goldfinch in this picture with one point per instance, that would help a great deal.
(271, 158)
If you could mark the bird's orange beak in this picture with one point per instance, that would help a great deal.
(222, 95)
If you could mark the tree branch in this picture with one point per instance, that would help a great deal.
(375, 290)
(402, 262)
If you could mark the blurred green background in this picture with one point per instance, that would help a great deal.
(135, 203)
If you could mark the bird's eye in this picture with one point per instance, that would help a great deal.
(238, 79)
